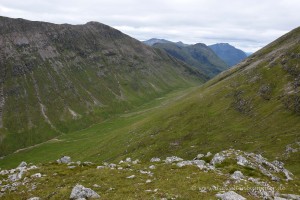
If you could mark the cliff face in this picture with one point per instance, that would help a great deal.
(59, 78)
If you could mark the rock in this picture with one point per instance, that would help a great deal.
(71, 167)
(135, 161)
(237, 175)
(80, 191)
(87, 163)
(64, 160)
(34, 198)
(200, 163)
(173, 159)
(278, 164)
(279, 198)
(22, 164)
(155, 160)
(217, 159)
(208, 154)
(152, 167)
(184, 163)
(146, 172)
(100, 167)
(265, 192)
(37, 175)
(199, 156)
(112, 166)
(96, 186)
(242, 161)
(148, 181)
(230, 196)
(128, 160)
(130, 177)
(291, 196)
(16, 176)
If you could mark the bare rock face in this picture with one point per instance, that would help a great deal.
(80, 192)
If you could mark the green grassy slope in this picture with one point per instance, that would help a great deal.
(60, 78)
(197, 55)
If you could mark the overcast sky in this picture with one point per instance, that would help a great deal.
(247, 24)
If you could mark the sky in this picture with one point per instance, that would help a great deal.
(246, 24)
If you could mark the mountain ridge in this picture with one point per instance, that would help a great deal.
(198, 55)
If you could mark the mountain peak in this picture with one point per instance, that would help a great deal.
(228, 53)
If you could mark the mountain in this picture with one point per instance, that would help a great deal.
(235, 137)
(57, 79)
(229, 54)
(197, 55)
(153, 41)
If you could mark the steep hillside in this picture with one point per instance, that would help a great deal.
(253, 107)
(198, 55)
(60, 78)
(228, 53)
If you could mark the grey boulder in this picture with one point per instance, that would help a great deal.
(80, 192)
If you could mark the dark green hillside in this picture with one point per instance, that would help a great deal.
(198, 55)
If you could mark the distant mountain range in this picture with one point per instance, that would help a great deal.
(226, 52)
(197, 55)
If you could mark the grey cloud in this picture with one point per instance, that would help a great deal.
(248, 24)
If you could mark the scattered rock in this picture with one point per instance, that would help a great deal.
(152, 167)
(217, 159)
(96, 186)
(173, 159)
(135, 161)
(184, 163)
(199, 156)
(22, 164)
(34, 198)
(130, 177)
(37, 175)
(112, 166)
(230, 196)
(208, 154)
(279, 198)
(237, 175)
(64, 160)
(242, 161)
(148, 181)
(291, 196)
(155, 160)
(80, 192)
